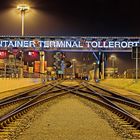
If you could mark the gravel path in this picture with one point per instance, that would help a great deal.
(69, 119)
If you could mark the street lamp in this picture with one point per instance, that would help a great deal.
(73, 63)
(22, 8)
(113, 58)
(94, 65)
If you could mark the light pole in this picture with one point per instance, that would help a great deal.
(22, 8)
(113, 58)
(73, 63)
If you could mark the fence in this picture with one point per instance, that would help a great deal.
(131, 73)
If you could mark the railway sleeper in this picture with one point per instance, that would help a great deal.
(3, 125)
(4, 106)
(11, 119)
(22, 113)
(118, 113)
(125, 118)
(136, 125)
(26, 110)
(130, 122)
(121, 116)
(113, 111)
(8, 121)
(17, 116)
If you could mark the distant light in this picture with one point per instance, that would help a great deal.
(23, 7)
(74, 60)
(3, 54)
(30, 53)
(33, 53)
(113, 56)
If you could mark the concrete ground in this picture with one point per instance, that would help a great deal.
(125, 87)
(69, 119)
(9, 87)
(126, 84)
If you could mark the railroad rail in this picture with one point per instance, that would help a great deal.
(21, 98)
(110, 100)
(35, 100)
(107, 102)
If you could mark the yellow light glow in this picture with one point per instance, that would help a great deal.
(113, 56)
(23, 7)
(74, 60)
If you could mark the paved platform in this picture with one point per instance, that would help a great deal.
(9, 87)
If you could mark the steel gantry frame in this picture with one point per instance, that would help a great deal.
(75, 38)
(82, 39)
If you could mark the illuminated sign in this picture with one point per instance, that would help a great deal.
(68, 44)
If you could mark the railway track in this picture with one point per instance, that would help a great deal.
(125, 109)
(30, 102)
(8, 104)
(125, 102)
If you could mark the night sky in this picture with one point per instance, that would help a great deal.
(73, 17)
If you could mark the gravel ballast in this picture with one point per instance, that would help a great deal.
(68, 118)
